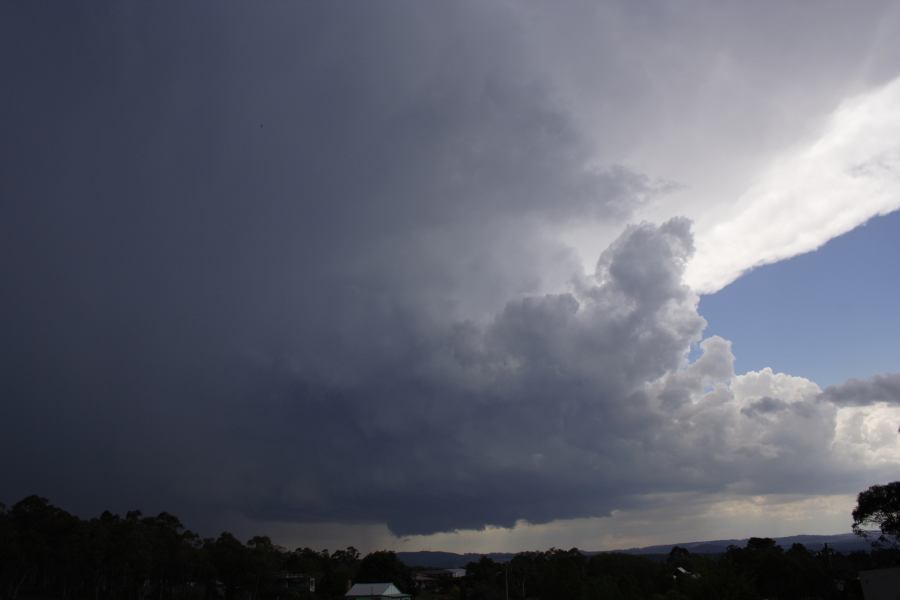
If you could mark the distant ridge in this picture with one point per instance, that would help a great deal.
(448, 560)
(841, 542)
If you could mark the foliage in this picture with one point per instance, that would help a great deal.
(48, 553)
(759, 570)
(879, 506)
(385, 567)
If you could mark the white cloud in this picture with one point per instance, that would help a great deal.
(868, 435)
(808, 195)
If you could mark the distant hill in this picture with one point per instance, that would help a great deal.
(448, 560)
(841, 542)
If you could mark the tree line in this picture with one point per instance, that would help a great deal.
(47, 553)
(761, 569)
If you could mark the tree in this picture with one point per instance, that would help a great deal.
(384, 567)
(264, 560)
(879, 505)
(679, 557)
(231, 560)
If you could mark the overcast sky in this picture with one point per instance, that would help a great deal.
(429, 275)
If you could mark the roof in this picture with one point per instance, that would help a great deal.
(386, 590)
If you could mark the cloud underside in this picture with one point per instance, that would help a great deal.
(568, 405)
(270, 275)
(560, 406)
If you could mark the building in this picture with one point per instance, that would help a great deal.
(375, 591)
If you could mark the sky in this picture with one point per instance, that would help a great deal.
(464, 276)
(836, 305)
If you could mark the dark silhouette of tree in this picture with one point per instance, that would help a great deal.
(44, 544)
(265, 562)
(879, 506)
(763, 562)
(231, 560)
(341, 570)
(679, 557)
(484, 579)
(49, 554)
(384, 566)
(565, 573)
(624, 576)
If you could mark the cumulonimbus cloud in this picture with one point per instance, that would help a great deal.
(563, 405)
(304, 267)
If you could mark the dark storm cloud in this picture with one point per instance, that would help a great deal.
(291, 263)
(865, 392)
(239, 248)
(531, 416)
(764, 405)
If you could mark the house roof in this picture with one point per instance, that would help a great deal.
(386, 590)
